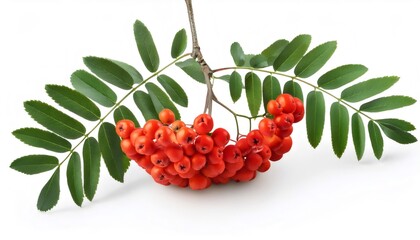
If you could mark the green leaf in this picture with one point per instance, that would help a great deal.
(397, 123)
(271, 89)
(358, 133)
(122, 112)
(145, 104)
(109, 71)
(292, 53)
(376, 139)
(293, 88)
(315, 117)
(253, 92)
(235, 86)
(237, 54)
(259, 61)
(43, 139)
(193, 69)
(387, 103)
(50, 193)
(339, 117)
(109, 144)
(54, 119)
(248, 58)
(225, 78)
(160, 100)
(135, 75)
(146, 46)
(179, 44)
(93, 88)
(74, 178)
(74, 101)
(174, 90)
(315, 59)
(397, 134)
(126, 163)
(367, 89)
(91, 167)
(33, 164)
(274, 50)
(341, 76)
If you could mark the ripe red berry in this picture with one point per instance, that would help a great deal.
(255, 138)
(164, 136)
(174, 152)
(189, 149)
(232, 154)
(198, 182)
(286, 145)
(267, 127)
(124, 128)
(299, 113)
(287, 102)
(186, 135)
(150, 128)
(203, 123)
(198, 161)
(253, 161)
(243, 146)
(127, 147)
(284, 120)
(136, 133)
(274, 108)
(244, 175)
(220, 137)
(159, 159)
(212, 170)
(178, 124)
(166, 116)
(215, 156)
(204, 144)
(264, 166)
(184, 165)
(159, 175)
(144, 145)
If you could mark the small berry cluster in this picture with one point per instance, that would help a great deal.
(173, 153)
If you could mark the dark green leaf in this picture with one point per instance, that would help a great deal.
(160, 100)
(259, 61)
(126, 163)
(271, 89)
(397, 123)
(397, 134)
(367, 89)
(292, 53)
(174, 90)
(274, 50)
(74, 101)
(91, 166)
(376, 139)
(341, 76)
(235, 86)
(74, 178)
(237, 54)
(92, 87)
(43, 139)
(193, 69)
(146, 46)
(145, 104)
(387, 103)
(339, 117)
(315, 59)
(54, 119)
(248, 58)
(122, 112)
(179, 44)
(135, 75)
(33, 164)
(315, 117)
(293, 88)
(358, 133)
(253, 92)
(50, 193)
(109, 144)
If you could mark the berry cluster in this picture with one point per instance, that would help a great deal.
(174, 153)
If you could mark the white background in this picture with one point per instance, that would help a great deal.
(309, 194)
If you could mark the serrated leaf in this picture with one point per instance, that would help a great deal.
(397, 123)
(397, 134)
(146, 46)
(274, 50)
(315, 117)
(122, 112)
(126, 163)
(387, 103)
(358, 133)
(259, 61)
(93, 88)
(235, 86)
(237, 54)
(271, 89)
(253, 92)
(145, 104)
(179, 44)
(293, 88)
(34, 164)
(174, 90)
(376, 139)
(192, 68)
(74, 178)
(74, 101)
(315, 59)
(50, 193)
(367, 89)
(341, 76)
(292, 53)
(109, 71)
(54, 119)
(43, 139)
(339, 117)
(135, 75)
(91, 167)
(109, 144)
(160, 100)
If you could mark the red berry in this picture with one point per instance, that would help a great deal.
(204, 144)
(299, 113)
(144, 145)
(255, 138)
(253, 161)
(203, 123)
(178, 124)
(127, 147)
(232, 154)
(198, 182)
(159, 159)
(284, 120)
(198, 161)
(150, 128)
(264, 166)
(243, 146)
(286, 145)
(287, 102)
(184, 165)
(274, 108)
(186, 135)
(166, 116)
(267, 127)
(124, 128)
(220, 137)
